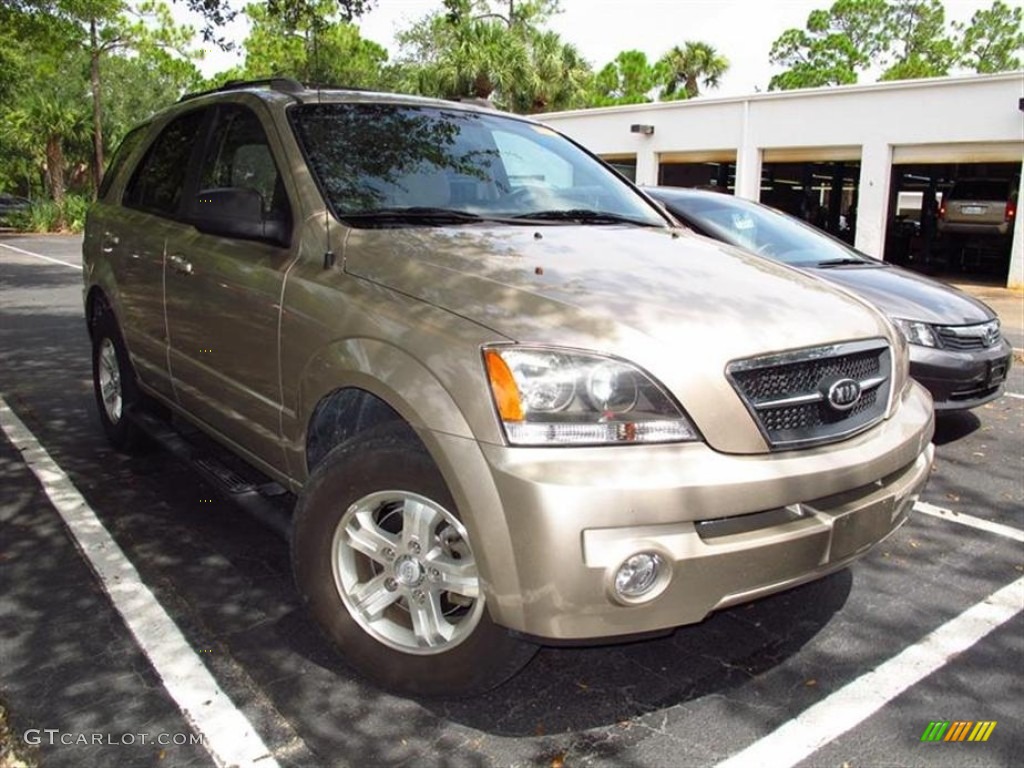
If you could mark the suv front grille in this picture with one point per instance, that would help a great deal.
(817, 395)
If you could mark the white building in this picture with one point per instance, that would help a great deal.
(867, 135)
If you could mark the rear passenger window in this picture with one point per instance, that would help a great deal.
(124, 151)
(160, 178)
(239, 156)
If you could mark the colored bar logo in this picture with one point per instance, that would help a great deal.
(958, 730)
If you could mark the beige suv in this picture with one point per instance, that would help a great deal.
(516, 403)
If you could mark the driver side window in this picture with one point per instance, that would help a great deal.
(239, 156)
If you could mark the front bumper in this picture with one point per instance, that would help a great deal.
(961, 379)
(571, 516)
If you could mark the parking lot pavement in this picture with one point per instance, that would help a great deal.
(68, 664)
(697, 697)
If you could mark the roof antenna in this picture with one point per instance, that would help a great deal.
(329, 257)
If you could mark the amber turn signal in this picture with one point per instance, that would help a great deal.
(506, 393)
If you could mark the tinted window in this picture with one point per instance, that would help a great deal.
(980, 189)
(160, 179)
(239, 156)
(758, 228)
(121, 155)
(369, 157)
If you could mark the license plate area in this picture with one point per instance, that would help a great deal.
(973, 210)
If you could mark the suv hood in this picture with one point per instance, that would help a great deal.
(902, 293)
(595, 285)
(677, 304)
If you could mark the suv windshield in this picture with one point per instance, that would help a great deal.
(378, 161)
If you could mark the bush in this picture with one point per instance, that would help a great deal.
(46, 215)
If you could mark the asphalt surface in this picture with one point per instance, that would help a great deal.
(68, 663)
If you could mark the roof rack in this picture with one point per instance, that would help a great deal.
(282, 84)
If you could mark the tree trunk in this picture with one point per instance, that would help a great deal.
(55, 174)
(97, 111)
(482, 86)
(692, 89)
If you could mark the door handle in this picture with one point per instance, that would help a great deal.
(180, 264)
(110, 240)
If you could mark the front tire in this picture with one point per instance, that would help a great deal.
(384, 562)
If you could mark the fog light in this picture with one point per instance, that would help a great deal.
(638, 575)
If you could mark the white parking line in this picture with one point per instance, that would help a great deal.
(855, 702)
(40, 256)
(227, 735)
(970, 520)
(1014, 394)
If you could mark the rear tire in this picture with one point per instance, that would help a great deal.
(384, 563)
(115, 385)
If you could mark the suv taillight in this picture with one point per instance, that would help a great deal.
(1011, 210)
(942, 210)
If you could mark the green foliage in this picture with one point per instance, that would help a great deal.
(994, 40)
(559, 76)
(137, 87)
(906, 38)
(919, 40)
(631, 79)
(47, 216)
(60, 112)
(835, 46)
(628, 79)
(682, 70)
(318, 47)
(496, 51)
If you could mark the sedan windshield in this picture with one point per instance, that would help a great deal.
(382, 164)
(763, 230)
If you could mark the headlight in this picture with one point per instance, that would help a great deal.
(915, 332)
(565, 397)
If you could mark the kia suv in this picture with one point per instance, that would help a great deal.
(516, 402)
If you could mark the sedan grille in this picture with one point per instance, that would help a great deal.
(979, 336)
(817, 395)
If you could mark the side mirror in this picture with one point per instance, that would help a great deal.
(238, 212)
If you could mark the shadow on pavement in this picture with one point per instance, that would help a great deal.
(954, 425)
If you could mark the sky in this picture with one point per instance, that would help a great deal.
(742, 30)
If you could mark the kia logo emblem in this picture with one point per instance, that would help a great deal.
(843, 394)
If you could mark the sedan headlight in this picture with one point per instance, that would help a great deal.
(565, 397)
(915, 332)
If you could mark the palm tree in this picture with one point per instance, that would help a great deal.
(558, 78)
(478, 58)
(47, 124)
(694, 64)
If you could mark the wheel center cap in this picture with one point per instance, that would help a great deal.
(408, 571)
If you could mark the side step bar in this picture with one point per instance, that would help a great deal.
(265, 502)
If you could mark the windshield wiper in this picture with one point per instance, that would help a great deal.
(840, 262)
(413, 214)
(585, 216)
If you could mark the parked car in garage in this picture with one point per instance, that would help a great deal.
(979, 207)
(516, 403)
(956, 348)
(11, 205)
